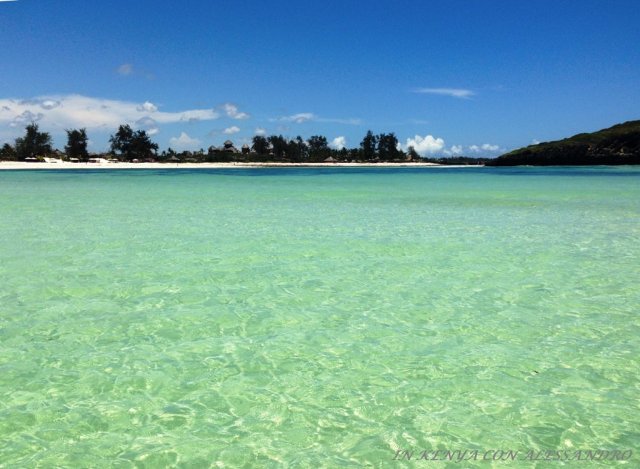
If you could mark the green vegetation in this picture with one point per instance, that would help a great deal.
(77, 145)
(135, 145)
(7, 152)
(458, 160)
(260, 145)
(277, 148)
(318, 148)
(130, 145)
(33, 145)
(616, 145)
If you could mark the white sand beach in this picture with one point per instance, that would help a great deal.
(68, 165)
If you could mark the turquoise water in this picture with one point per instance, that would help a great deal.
(317, 318)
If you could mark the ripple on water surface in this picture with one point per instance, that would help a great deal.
(297, 318)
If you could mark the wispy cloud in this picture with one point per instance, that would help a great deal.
(73, 111)
(352, 121)
(128, 69)
(125, 69)
(231, 110)
(297, 118)
(303, 117)
(452, 92)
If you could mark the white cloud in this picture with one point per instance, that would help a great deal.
(453, 92)
(125, 69)
(303, 117)
(128, 70)
(184, 142)
(338, 143)
(147, 107)
(298, 118)
(231, 130)
(425, 145)
(456, 149)
(351, 121)
(260, 131)
(76, 111)
(49, 104)
(231, 110)
(485, 147)
(148, 124)
(535, 142)
(25, 118)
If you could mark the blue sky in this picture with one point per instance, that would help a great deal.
(465, 77)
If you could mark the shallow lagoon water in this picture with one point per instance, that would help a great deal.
(317, 317)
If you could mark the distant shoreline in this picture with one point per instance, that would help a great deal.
(21, 165)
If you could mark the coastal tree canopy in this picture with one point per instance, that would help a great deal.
(279, 145)
(619, 144)
(7, 152)
(388, 147)
(318, 147)
(413, 154)
(77, 144)
(297, 149)
(33, 144)
(368, 146)
(260, 145)
(129, 144)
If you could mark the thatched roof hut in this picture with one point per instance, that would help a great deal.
(228, 147)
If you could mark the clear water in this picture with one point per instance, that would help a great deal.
(317, 317)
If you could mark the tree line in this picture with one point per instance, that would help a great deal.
(127, 144)
(382, 147)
